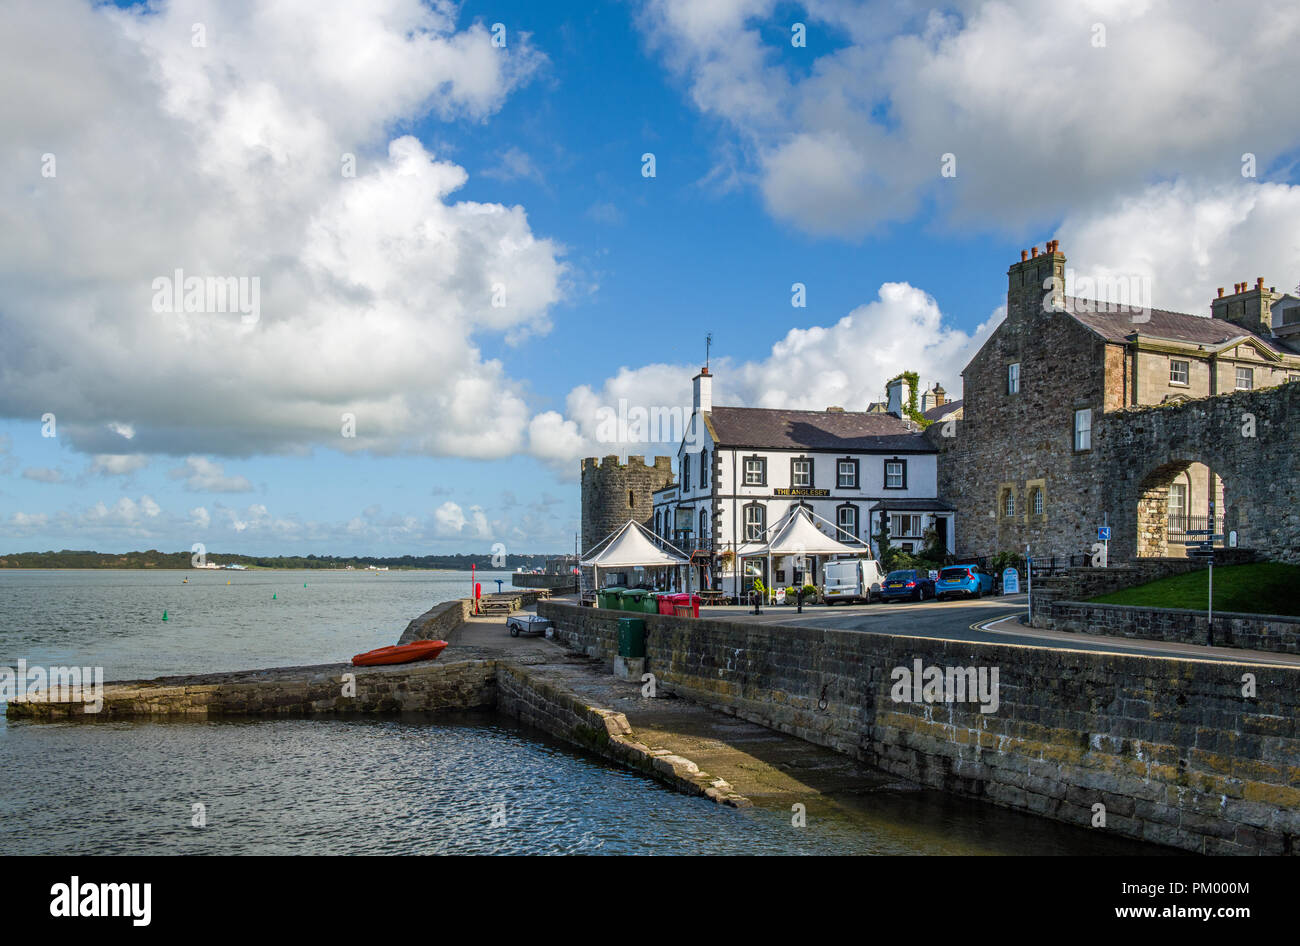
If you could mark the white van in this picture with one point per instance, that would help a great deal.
(852, 579)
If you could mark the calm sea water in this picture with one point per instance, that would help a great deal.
(403, 784)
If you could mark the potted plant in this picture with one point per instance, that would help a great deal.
(810, 594)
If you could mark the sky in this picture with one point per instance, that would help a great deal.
(435, 245)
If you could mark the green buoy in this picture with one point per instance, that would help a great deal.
(164, 615)
(273, 597)
(304, 584)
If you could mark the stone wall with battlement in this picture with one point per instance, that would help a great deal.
(614, 492)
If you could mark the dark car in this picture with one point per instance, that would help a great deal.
(906, 584)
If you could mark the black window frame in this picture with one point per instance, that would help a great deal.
(857, 473)
(762, 470)
(704, 469)
(745, 524)
(812, 472)
(885, 470)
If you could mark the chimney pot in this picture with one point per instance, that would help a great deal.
(1034, 252)
(1259, 283)
(1220, 292)
(1024, 255)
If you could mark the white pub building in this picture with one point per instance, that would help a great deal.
(741, 470)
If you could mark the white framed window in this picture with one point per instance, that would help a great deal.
(801, 473)
(755, 522)
(755, 471)
(1009, 504)
(895, 474)
(1178, 499)
(1083, 429)
(1245, 379)
(1038, 501)
(848, 475)
(1180, 372)
(1013, 378)
(904, 524)
(847, 519)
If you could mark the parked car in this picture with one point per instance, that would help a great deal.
(851, 580)
(966, 580)
(906, 584)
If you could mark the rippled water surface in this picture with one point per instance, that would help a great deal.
(218, 620)
(408, 784)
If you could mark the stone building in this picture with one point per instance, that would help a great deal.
(1022, 466)
(614, 492)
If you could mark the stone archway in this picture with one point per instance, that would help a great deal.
(1175, 500)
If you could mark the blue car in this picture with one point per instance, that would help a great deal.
(906, 584)
(965, 580)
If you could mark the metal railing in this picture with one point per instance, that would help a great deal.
(1179, 526)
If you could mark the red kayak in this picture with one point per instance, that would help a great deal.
(400, 654)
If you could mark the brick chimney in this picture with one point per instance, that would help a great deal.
(940, 396)
(1250, 307)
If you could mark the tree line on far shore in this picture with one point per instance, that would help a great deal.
(153, 558)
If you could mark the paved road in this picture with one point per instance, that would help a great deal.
(988, 620)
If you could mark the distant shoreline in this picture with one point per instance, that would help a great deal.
(185, 561)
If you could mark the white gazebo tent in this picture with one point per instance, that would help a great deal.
(797, 534)
(632, 545)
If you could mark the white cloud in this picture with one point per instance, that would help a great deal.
(849, 132)
(450, 520)
(118, 464)
(373, 288)
(200, 517)
(42, 474)
(1190, 239)
(845, 364)
(515, 164)
(203, 475)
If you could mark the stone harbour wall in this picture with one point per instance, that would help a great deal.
(1172, 749)
(1269, 632)
(524, 695)
(467, 685)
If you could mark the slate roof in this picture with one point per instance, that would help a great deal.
(912, 505)
(943, 410)
(849, 431)
(1176, 326)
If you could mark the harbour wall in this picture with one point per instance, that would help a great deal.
(443, 620)
(522, 693)
(1275, 633)
(1173, 751)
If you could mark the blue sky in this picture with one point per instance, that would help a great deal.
(477, 165)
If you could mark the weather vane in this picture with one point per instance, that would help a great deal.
(708, 343)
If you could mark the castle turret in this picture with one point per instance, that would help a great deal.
(614, 492)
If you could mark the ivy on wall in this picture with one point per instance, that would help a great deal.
(913, 385)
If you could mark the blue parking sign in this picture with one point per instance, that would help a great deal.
(1103, 533)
